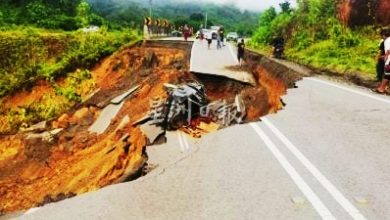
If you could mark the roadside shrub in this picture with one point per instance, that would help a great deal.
(264, 31)
(315, 37)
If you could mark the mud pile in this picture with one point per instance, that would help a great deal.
(62, 158)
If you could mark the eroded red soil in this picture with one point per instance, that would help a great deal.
(36, 170)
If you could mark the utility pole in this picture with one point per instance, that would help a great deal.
(205, 22)
(150, 28)
(150, 9)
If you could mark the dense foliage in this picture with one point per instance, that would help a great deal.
(30, 54)
(52, 14)
(316, 38)
(131, 13)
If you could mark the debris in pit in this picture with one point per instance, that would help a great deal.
(77, 154)
(121, 98)
(200, 126)
(186, 104)
(47, 136)
(152, 132)
(183, 103)
(224, 113)
(110, 111)
(39, 127)
(105, 117)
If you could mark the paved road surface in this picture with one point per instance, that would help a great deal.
(326, 156)
(217, 61)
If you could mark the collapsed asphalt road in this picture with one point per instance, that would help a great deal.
(103, 142)
(325, 156)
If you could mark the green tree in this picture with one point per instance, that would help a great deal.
(286, 7)
(37, 12)
(197, 17)
(264, 32)
(83, 14)
(1, 17)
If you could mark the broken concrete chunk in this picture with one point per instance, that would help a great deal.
(125, 121)
(39, 127)
(105, 117)
(47, 136)
(122, 97)
(62, 121)
(56, 131)
(152, 132)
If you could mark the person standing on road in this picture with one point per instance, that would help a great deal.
(219, 42)
(201, 33)
(186, 32)
(209, 39)
(221, 33)
(380, 65)
(386, 77)
(241, 51)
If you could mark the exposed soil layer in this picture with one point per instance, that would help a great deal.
(358, 13)
(37, 168)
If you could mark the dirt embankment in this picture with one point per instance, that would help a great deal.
(357, 13)
(64, 159)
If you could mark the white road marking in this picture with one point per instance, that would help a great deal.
(350, 90)
(184, 145)
(318, 205)
(180, 141)
(233, 54)
(336, 194)
(185, 141)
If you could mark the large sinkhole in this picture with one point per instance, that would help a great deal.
(103, 140)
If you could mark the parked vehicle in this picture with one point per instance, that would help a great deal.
(177, 34)
(214, 31)
(232, 36)
(210, 32)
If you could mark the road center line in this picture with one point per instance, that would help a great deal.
(180, 141)
(336, 194)
(183, 142)
(350, 90)
(316, 202)
(233, 54)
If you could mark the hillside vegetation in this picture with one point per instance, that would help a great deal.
(35, 41)
(45, 57)
(131, 14)
(27, 55)
(316, 38)
(52, 14)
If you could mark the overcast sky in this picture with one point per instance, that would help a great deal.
(251, 4)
